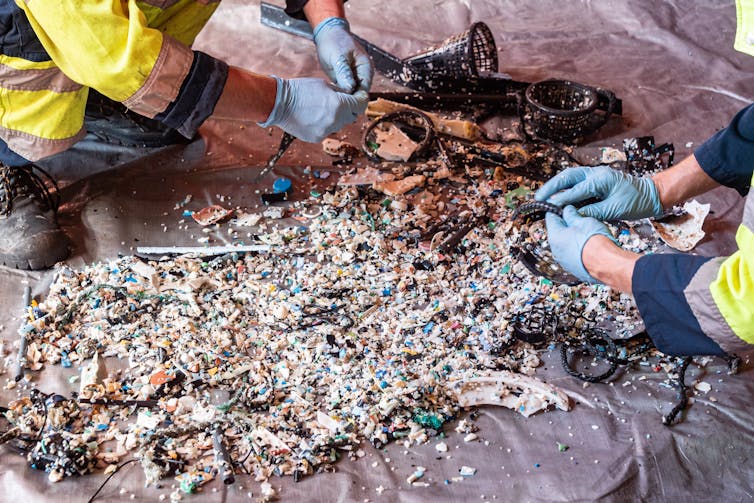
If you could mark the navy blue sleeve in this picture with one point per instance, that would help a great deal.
(198, 96)
(658, 284)
(9, 157)
(727, 156)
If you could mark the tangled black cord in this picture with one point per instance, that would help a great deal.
(599, 344)
(682, 364)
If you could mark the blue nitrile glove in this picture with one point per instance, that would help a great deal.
(622, 196)
(567, 237)
(341, 57)
(310, 109)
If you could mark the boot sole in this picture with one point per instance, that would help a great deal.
(39, 262)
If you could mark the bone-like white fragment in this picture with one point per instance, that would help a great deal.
(525, 394)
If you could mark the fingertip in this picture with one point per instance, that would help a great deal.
(588, 211)
(346, 84)
(545, 191)
(570, 213)
(365, 73)
(556, 199)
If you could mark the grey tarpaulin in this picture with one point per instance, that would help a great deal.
(673, 65)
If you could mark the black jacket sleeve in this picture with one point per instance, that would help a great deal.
(295, 8)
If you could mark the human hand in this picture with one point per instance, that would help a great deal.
(341, 57)
(622, 196)
(568, 236)
(310, 109)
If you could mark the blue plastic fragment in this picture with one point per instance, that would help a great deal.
(281, 185)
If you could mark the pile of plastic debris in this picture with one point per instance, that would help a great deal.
(356, 326)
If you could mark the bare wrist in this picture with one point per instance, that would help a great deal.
(317, 11)
(609, 263)
(681, 182)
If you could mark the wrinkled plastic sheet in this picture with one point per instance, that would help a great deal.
(673, 65)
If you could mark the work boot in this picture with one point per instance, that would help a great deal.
(30, 237)
(112, 122)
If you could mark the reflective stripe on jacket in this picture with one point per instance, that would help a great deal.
(133, 52)
(721, 293)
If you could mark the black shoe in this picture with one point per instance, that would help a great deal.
(30, 237)
(112, 122)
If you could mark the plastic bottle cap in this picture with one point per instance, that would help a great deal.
(281, 185)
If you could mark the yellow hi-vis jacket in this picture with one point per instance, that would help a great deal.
(745, 26)
(134, 52)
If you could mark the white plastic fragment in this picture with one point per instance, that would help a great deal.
(328, 422)
(418, 473)
(685, 231)
(702, 386)
(92, 376)
(268, 492)
(148, 420)
(467, 471)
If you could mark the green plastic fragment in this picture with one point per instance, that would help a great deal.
(430, 420)
(515, 194)
(562, 447)
(506, 269)
(188, 486)
(545, 281)
(315, 193)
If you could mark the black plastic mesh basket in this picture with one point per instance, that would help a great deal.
(459, 58)
(561, 110)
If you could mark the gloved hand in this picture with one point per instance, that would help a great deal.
(310, 109)
(341, 57)
(623, 196)
(567, 237)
